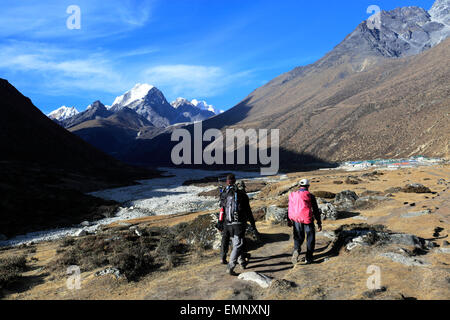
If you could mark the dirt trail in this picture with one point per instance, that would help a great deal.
(210, 281)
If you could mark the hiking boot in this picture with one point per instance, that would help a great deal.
(295, 257)
(230, 271)
(306, 261)
(224, 261)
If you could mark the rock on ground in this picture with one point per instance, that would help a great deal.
(416, 188)
(408, 261)
(408, 240)
(345, 200)
(80, 233)
(416, 213)
(110, 270)
(276, 215)
(328, 211)
(367, 202)
(262, 280)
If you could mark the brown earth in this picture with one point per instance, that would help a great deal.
(340, 275)
(346, 106)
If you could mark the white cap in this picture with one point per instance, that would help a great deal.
(304, 182)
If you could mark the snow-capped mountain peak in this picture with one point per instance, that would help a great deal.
(180, 101)
(203, 105)
(440, 11)
(138, 92)
(63, 113)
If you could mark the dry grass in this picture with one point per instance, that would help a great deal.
(11, 268)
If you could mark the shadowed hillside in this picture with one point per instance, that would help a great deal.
(45, 169)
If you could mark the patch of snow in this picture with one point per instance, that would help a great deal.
(138, 92)
(203, 105)
(63, 113)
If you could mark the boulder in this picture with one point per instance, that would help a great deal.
(262, 280)
(327, 234)
(276, 215)
(259, 214)
(416, 188)
(328, 211)
(365, 238)
(367, 202)
(80, 233)
(85, 224)
(393, 190)
(345, 200)
(406, 260)
(202, 232)
(406, 240)
(352, 180)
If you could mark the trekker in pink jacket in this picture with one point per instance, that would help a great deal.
(303, 209)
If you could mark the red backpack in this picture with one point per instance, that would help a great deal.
(300, 207)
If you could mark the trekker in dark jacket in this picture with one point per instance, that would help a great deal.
(235, 212)
(303, 209)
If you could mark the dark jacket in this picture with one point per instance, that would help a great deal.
(316, 210)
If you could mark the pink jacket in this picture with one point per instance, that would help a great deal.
(300, 207)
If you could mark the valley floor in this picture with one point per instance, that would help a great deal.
(336, 274)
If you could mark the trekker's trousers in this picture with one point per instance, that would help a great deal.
(299, 237)
(227, 235)
(237, 234)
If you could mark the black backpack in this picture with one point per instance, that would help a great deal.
(231, 204)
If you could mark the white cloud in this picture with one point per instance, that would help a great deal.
(61, 71)
(47, 19)
(192, 80)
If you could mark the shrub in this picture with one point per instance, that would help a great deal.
(11, 269)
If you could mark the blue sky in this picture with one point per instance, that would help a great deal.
(214, 50)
